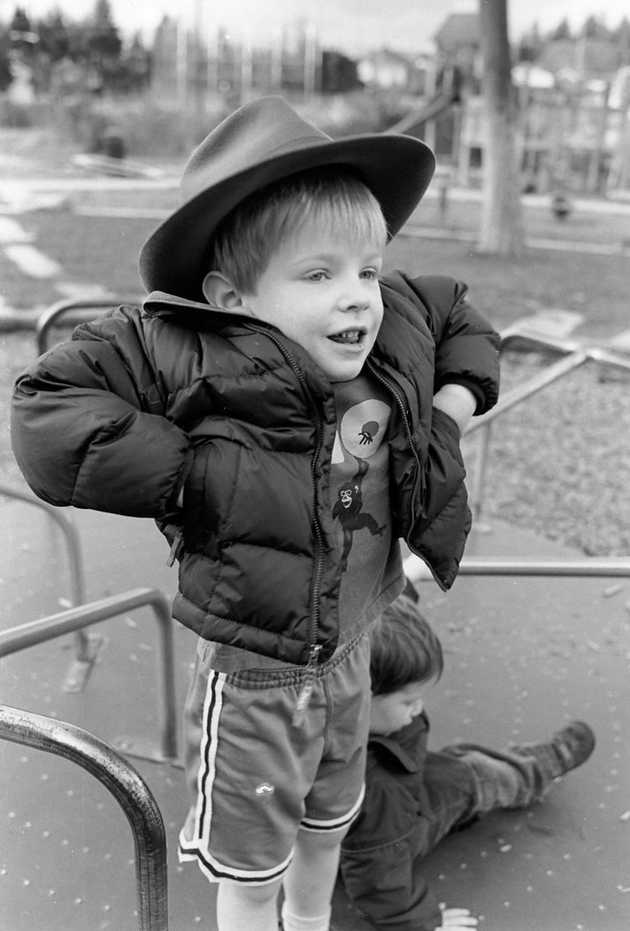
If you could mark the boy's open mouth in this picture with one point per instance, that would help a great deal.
(348, 336)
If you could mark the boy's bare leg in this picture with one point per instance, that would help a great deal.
(247, 908)
(310, 881)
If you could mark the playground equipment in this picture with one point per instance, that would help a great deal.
(65, 622)
(86, 646)
(123, 782)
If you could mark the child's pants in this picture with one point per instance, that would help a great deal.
(466, 780)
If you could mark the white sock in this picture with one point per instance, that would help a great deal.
(298, 923)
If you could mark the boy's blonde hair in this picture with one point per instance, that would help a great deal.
(403, 648)
(333, 197)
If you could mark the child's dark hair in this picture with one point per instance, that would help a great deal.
(403, 648)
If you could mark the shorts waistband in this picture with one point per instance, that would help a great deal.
(292, 675)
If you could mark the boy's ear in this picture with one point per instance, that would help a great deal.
(221, 294)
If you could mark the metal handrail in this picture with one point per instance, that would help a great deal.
(86, 647)
(123, 782)
(417, 571)
(69, 531)
(56, 625)
(575, 357)
(49, 317)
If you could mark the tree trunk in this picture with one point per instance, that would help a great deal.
(501, 216)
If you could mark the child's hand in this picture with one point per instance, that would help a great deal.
(456, 919)
(458, 402)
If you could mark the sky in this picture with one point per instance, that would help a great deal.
(348, 25)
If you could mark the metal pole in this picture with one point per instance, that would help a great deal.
(50, 316)
(479, 477)
(417, 571)
(86, 648)
(123, 782)
(532, 386)
(47, 628)
(574, 357)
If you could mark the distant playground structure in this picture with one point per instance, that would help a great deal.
(572, 137)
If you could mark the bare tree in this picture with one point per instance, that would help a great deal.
(501, 217)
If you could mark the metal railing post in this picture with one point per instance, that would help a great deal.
(56, 625)
(49, 317)
(123, 782)
(416, 570)
(575, 356)
(86, 647)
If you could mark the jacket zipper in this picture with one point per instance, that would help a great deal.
(316, 581)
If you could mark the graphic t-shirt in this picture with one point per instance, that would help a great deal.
(360, 511)
(359, 497)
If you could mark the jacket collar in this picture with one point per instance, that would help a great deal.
(157, 301)
(408, 746)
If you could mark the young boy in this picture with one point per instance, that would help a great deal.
(415, 797)
(286, 415)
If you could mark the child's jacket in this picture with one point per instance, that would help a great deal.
(145, 401)
(382, 855)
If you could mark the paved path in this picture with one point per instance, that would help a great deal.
(522, 656)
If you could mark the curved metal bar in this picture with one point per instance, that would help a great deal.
(69, 531)
(56, 625)
(86, 652)
(123, 782)
(49, 317)
(532, 386)
(574, 356)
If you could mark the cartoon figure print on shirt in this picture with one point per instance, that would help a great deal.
(358, 452)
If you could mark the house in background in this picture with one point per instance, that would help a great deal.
(385, 69)
(574, 132)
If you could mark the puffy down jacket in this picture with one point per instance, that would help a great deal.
(144, 401)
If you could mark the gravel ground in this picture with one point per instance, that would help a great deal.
(558, 465)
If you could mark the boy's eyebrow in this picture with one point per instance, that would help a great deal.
(331, 257)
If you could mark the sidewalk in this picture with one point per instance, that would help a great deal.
(522, 656)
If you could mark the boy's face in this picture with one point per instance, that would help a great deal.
(388, 713)
(323, 293)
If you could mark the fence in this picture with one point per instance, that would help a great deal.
(123, 782)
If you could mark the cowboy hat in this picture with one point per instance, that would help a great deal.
(260, 143)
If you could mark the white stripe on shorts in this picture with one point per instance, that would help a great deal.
(198, 848)
(322, 827)
(208, 751)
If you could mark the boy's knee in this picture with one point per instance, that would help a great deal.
(252, 895)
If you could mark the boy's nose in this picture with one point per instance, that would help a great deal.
(352, 301)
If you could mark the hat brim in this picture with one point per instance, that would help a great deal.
(396, 168)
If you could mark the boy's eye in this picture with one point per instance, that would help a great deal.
(317, 275)
(370, 273)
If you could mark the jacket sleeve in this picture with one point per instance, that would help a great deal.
(466, 344)
(381, 874)
(88, 428)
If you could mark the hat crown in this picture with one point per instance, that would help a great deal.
(258, 131)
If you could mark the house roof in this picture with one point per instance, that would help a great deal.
(458, 29)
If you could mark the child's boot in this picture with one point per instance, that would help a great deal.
(568, 748)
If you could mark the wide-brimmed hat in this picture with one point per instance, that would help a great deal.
(260, 143)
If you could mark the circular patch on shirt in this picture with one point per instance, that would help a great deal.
(363, 427)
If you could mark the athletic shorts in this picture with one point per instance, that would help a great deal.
(257, 777)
